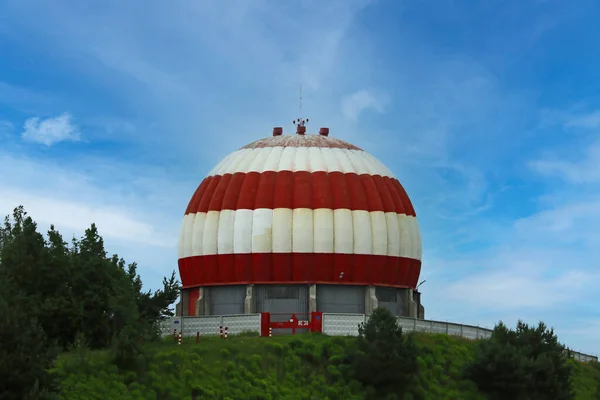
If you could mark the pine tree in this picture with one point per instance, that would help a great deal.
(528, 362)
(387, 358)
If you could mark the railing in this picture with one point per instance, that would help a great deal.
(347, 324)
(331, 324)
(211, 325)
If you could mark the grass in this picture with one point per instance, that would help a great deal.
(283, 367)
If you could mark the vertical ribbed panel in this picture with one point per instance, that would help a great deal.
(301, 199)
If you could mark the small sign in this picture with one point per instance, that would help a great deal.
(176, 321)
(303, 323)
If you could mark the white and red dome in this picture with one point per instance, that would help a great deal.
(300, 209)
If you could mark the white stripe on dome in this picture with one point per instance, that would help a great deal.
(323, 230)
(343, 231)
(311, 159)
(284, 230)
(261, 233)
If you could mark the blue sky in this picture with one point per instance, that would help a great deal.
(488, 113)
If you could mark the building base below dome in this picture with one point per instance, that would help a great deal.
(298, 299)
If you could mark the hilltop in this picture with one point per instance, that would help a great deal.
(291, 367)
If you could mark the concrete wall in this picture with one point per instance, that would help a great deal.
(299, 299)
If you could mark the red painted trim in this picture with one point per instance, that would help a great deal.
(265, 323)
(299, 268)
(301, 189)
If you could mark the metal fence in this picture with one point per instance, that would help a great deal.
(333, 325)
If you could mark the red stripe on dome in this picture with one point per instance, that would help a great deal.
(322, 192)
(283, 190)
(296, 268)
(194, 203)
(266, 188)
(374, 201)
(230, 199)
(302, 189)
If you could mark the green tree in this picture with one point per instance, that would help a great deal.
(525, 363)
(25, 352)
(41, 271)
(62, 292)
(386, 359)
(101, 290)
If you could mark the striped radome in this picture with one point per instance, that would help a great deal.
(300, 209)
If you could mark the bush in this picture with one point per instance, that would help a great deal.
(386, 359)
(527, 363)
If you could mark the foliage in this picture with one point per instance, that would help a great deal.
(386, 359)
(526, 363)
(54, 292)
(25, 352)
(292, 367)
(586, 380)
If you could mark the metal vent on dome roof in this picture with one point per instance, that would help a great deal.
(300, 125)
(324, 131)
(277, 131)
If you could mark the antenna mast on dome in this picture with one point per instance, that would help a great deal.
(300, 121)
(300, 99)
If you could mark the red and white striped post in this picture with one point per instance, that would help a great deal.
(270, 332)
(180, 336)
(221, 331)
(226, 332)
(175, 334)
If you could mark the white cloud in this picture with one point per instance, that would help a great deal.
(266, 47)
(579, 159)
(573, 222)
(114, 222)
(588, 121)
(137, 208)
(520, 286)
(355, 104)
(51, 130)
(585, 170)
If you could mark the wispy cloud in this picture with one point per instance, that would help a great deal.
(589, 120)
(51, 130)
(581, 163)
(516, 289)
(137, 207)
(585, 170)
(358, 102)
